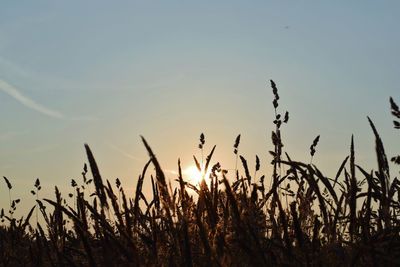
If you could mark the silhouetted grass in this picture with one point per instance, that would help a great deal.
(301, 218)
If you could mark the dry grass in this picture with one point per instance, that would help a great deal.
(302, 217)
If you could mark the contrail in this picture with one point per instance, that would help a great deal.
(126, 154)
(27, 102)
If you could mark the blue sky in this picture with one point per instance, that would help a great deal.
(106, 72)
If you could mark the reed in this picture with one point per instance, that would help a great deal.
(350, 219)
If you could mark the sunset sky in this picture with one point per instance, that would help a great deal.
(106, 72)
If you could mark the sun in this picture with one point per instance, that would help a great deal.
(194, 176)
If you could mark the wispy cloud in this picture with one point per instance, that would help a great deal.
(26, 101)
(124, 153)
(32, 104)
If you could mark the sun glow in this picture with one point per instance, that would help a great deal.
(194, 176)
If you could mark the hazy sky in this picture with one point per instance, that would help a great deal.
(105, 72)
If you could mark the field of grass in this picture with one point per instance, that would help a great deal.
(296, 217)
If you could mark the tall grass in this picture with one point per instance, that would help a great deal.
(301, 217)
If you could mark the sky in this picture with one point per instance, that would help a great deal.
(104, 73)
